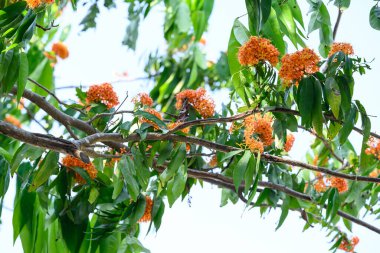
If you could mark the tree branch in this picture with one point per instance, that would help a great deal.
(226, 182)
(340, 12)
(61, 117)
(115, 137)
(243, 115)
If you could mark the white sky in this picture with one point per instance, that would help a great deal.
(95, 57)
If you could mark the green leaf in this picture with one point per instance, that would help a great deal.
(177, 160)
(306, 100)
(48, 166)
(239, 34)
(25, 151)
(240, 168)
(258, 14)
(176, 185)
(249, 174)
(272, 30)
(366, 126)
(151, 117)
(127, 169)
(94, 194)
(333, 95)
(22, 75)
(285, 211)
(131, 244)
(342, 4)
(110, 243)
(374, 17)
(231, 154)
(333, 204)
(348, 125)
(138, 209)
(183, 20)
(317, 116)
(199, 23)
(4, 179)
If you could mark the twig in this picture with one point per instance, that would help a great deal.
(340, 12)
(52, 25)
(325, 142)
(106, 114)
(54, 96)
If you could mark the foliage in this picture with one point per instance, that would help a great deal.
(88, 188)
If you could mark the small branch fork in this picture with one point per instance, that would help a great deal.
(52, 25)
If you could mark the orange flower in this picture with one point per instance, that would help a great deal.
(347, 245)
(143, 98)
(374, 173)
(373, 147)
(198, 99)
(147, 216)
(173, 125)
(60, 49)
(258, 132)
(257, 49)
(202, 41)
(32, 4)
(102, 93)
(320, 185)
(155, 113)
(13, 120)
(296, 65)
(289, 142)
(339, 183)
(213, 162)
(188, 147)
(343, 47)
(71, 161)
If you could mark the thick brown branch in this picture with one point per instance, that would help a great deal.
(61, 117)
(38, 140)
(101, 137)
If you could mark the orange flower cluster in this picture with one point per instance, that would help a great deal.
(143, 98)
(322, 183)
(12, 120)
(343, 47)
(147, 216)
(213, 162)
(296, 65)
(71, 161)
(347, 245)
(373, 147)
(257, 49)
(339, 183)
(153, 112)
(289, 142)
(103, 93)
(60, 49)
(32, 4)
(173, 125)
(258, 132)
(198, 99)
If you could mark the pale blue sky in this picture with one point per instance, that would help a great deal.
(95, 57)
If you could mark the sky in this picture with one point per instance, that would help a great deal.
(95, 57)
